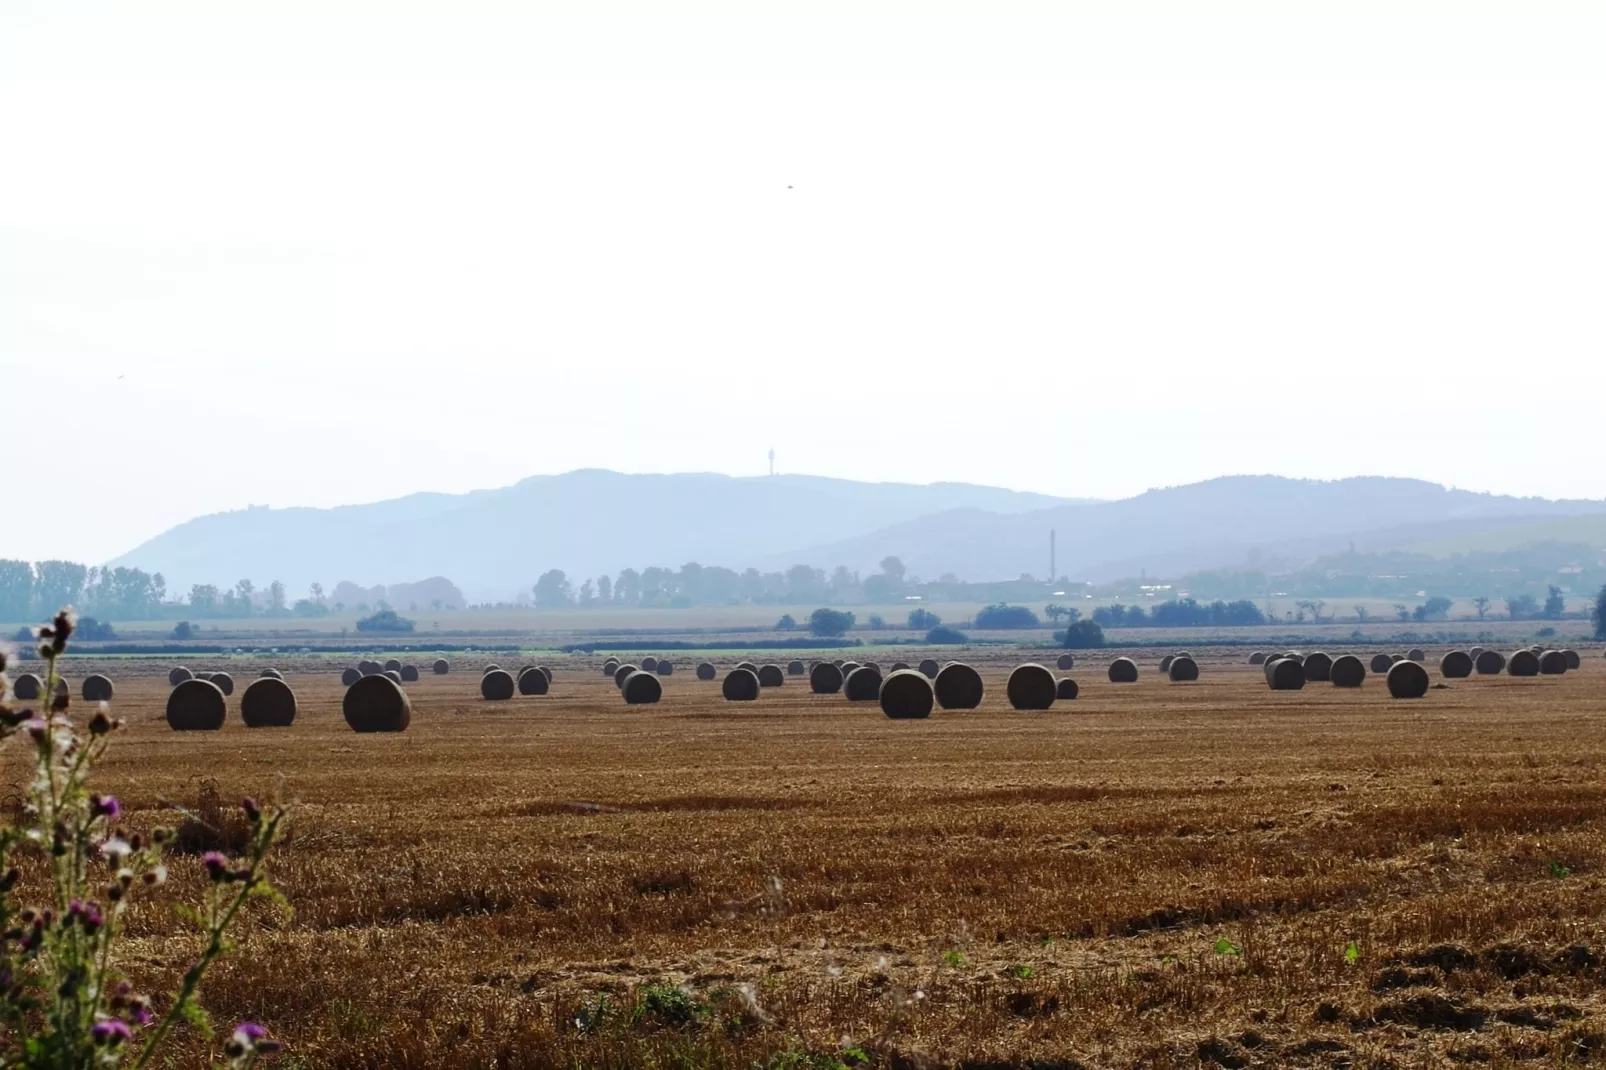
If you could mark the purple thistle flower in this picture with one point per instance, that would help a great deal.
(140, 1013)
(111, 1032)
(217, 866)
(105, 806)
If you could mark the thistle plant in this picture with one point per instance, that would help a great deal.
(64, 1003)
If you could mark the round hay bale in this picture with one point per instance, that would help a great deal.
(493, 667)
(706, 671)
(1065, 688)
(409, 674)
(376, 704)
(1574, 662)
(749, 666)
(1456, 665)
(1183, 669)
(1523, 663)
(871, 665)
(1408, 679)
(1318, 667)
(1065, 662)
(649, 664)
(1552, 663)
(1294, 655)
(196, 706)
(268, 703)
(848, 668)
(178, 674)
(666, 669)
(771, 676)
(392, 675)
(796, 668)
(839, 663)
(610, 667)
(224, 682)
(902, 666)
(442, 666)
(641, 688)
(1257, 658)
(1536, 650)
(497, 686)
(862, 685)
(349, 677)
(1285, 674)
(741, 685)
(393, 665)
(27, 687)
(825, 679)
(1416, 654)
(1031, 687)
(369, 668)
(1381, 662)
(1475, 651)
(1165, 662)
(1347, 671)
(1123, 671)
(533, 681)
(929, 668)
(624, 670)
(546, 671)
(203, 675)
(97, 688)
(1489, 663)
(906, 695)
(958, 687)
(273, 674)
(63, 688)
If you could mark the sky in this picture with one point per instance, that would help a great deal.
(334, 252)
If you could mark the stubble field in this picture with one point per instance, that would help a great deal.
(1151, 875)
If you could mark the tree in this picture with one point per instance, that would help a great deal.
(1054, 611)
(16, 590)
(1435, 608)
(552, 589)
(1555, 603)
(316, 590)
(786, 623)
(876, 622)
(627, 588)
(892, 568)
(1361, 613)
(923, 620)
(183, 631)
(587, 594)
(1600, 613)
(1523, 605)
(58, 584)
(385, 620)
(830, 623)
(1084, 635)
(947, 636)
(1002, 615)
(1402, 611)
(604, 589)
(276, 597)
(1481, 604)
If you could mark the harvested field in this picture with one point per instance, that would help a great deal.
(1117, 881)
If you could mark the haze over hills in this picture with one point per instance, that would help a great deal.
(494, 543)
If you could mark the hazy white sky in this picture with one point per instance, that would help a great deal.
(333, 252)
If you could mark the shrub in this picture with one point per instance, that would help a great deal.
(96, 631)
(386, 620)
(1084, 635)
(829, 623)
(183, 631)
(923, 620)
(1006, 616)
(786, 623)
(1600, 613)
(876, 622)
(945, 634)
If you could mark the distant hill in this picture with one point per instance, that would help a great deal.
(493, 543)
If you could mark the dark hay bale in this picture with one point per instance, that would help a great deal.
(825, 679)
(532, 681)
(1381, 662)
(666, 668)
(609, 668)
(929, 669)
(1294, 655)
(706, 671)
(1318, 667)
(546, 671)
(1523, 663)
(1183, 669)
(649, 664)
(741, 685)
(1456, 665)
(270, 674)
(63, 688)
(393, 665)
(1165, 662)
(1408, 679)
(871, 665)
(1065, 688)
(376, 704)
(1537, 650)
(392, 675)
(1552, 663)
(906, 695)
(1475, 651)
(178, 674)
(1285, 674)
(27, 687)
(369, 668)
(268, 703)
(624, 670)
(902, 666)
(196, 706)
(224, 682)
(349, 677)
(493, 667)
(409, 674)
(770, 676)
(862, 685)
(497, 686)
(1347, 671)
(442, 666)
(1065, 662)
(848, 668)
(839, 663)
(1416, 654)
(1123, 671)
(1031, 687)
(1574, 662)
(749, 666)
(1257, 658)
(203, 675)
(642, 688)
(796, 668)
(958, 687)
(97, 688)
(1489, 663)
